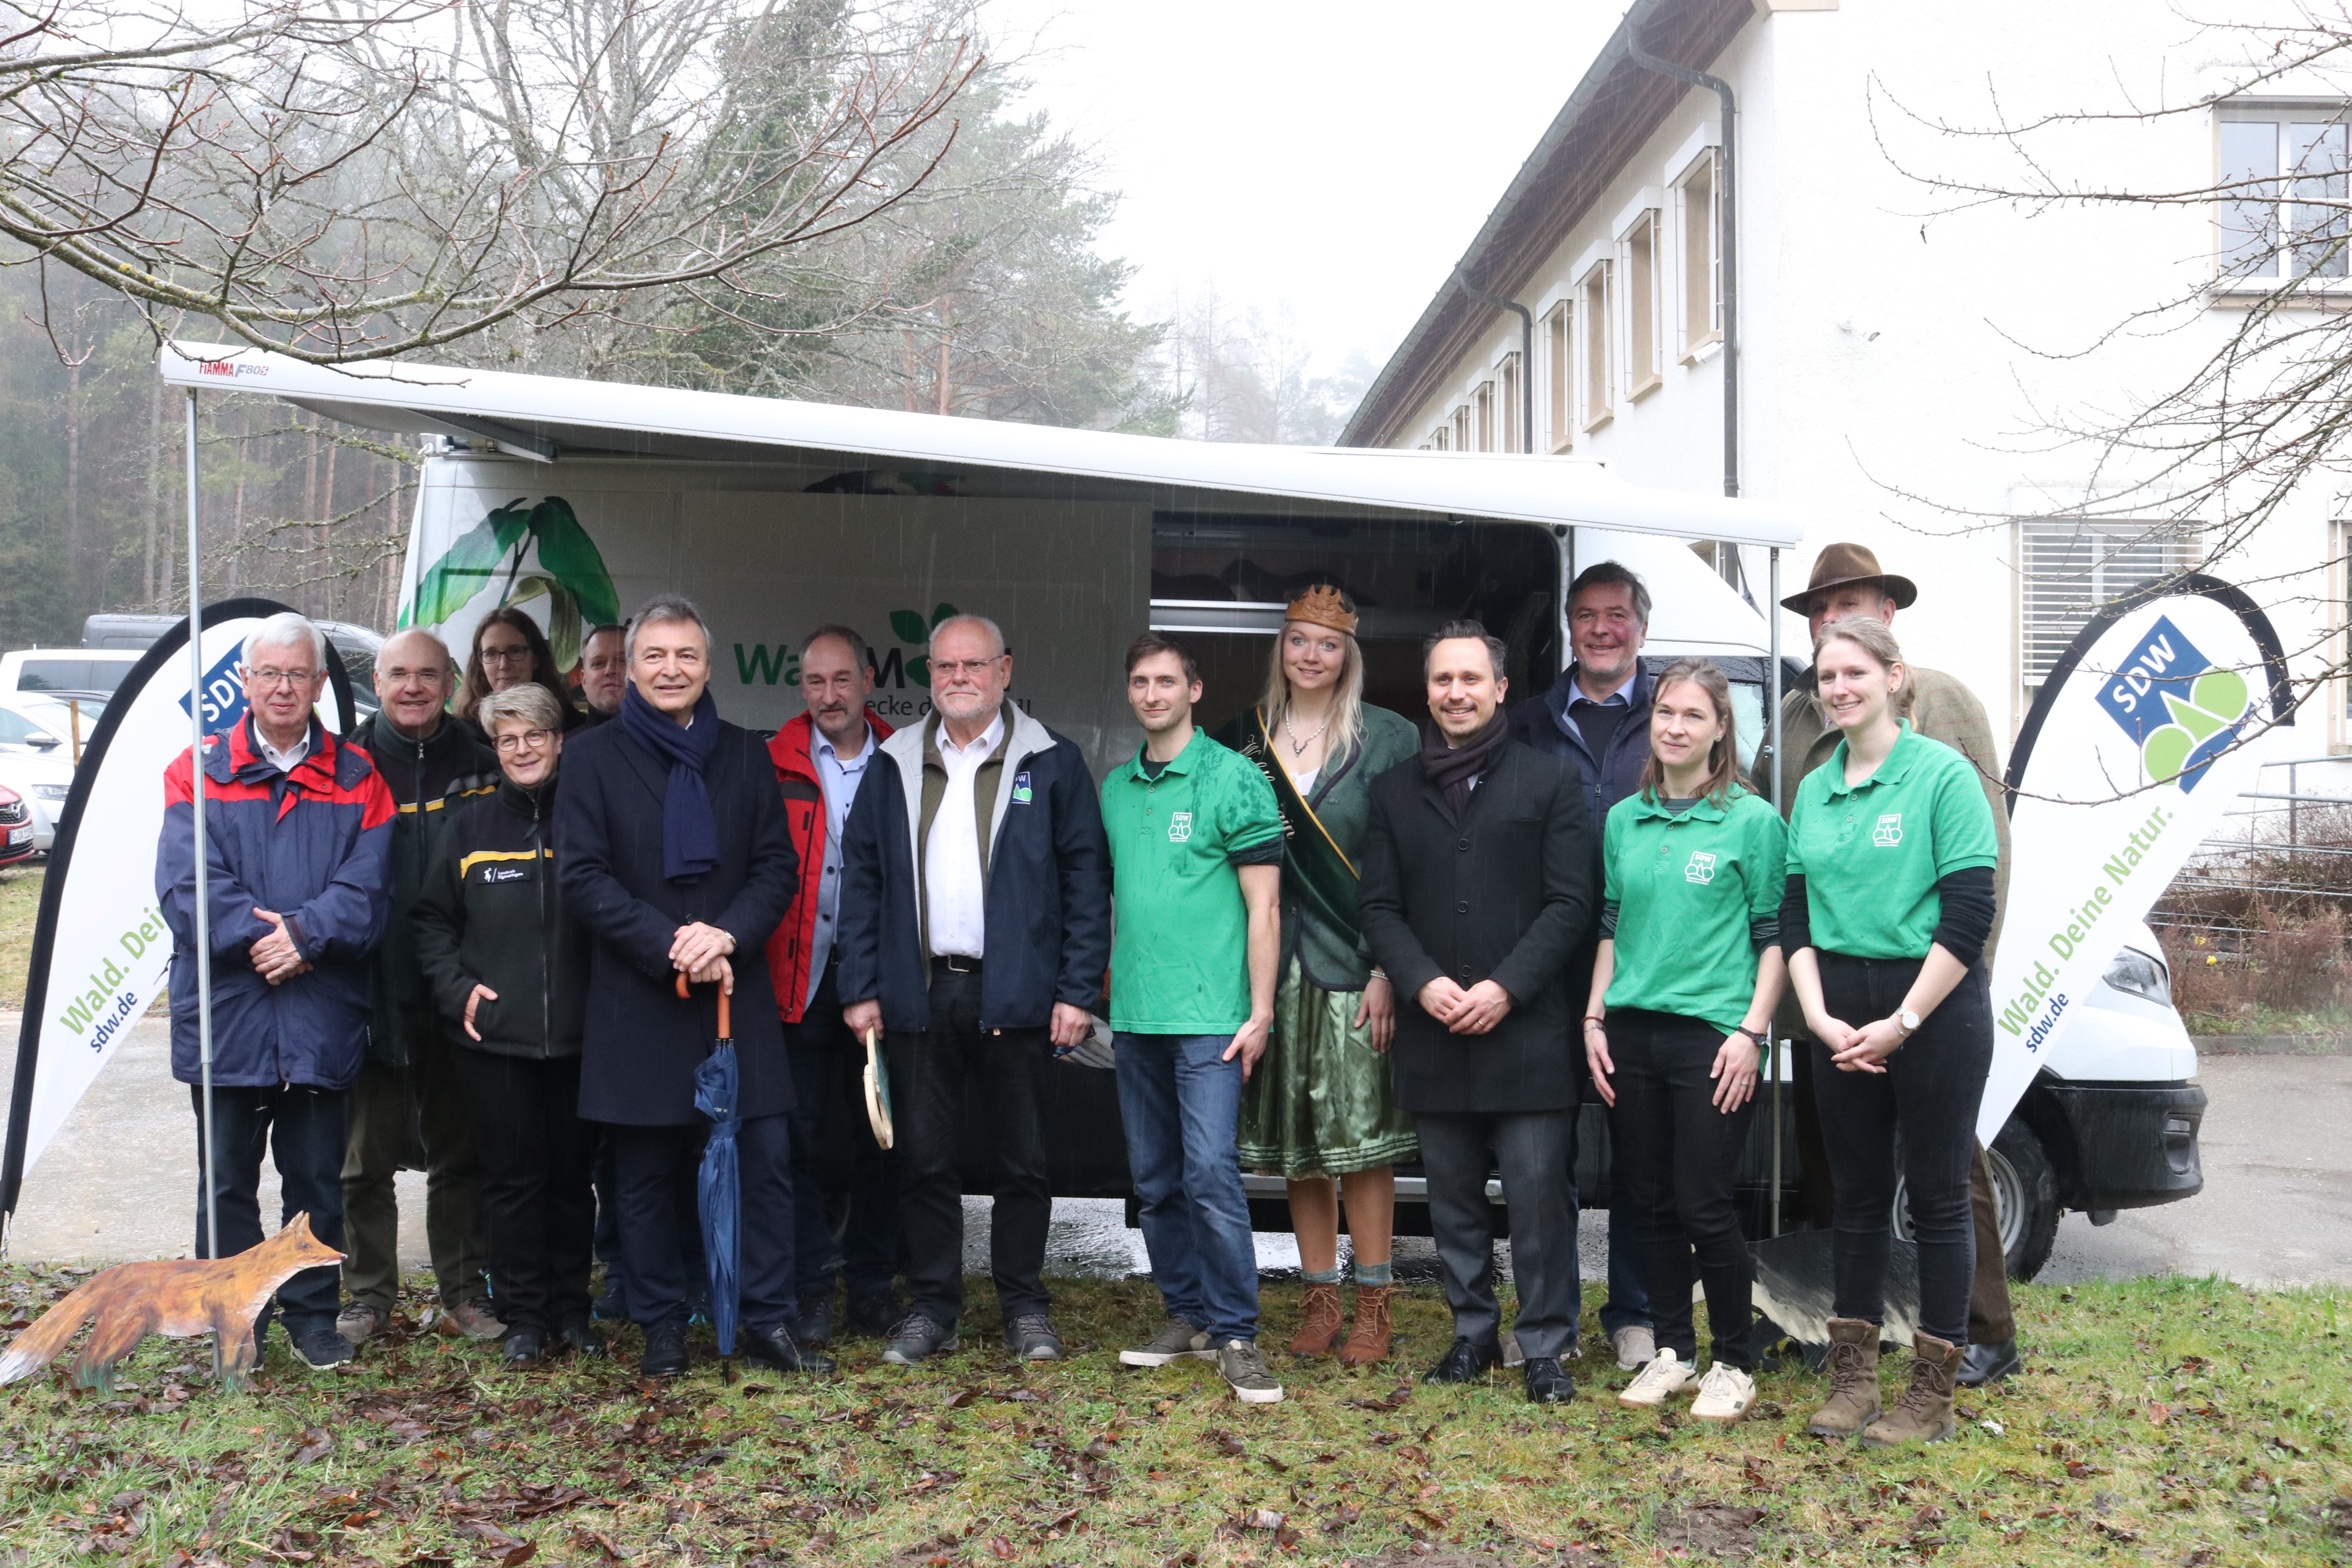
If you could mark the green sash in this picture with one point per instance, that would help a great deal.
(1315, 870)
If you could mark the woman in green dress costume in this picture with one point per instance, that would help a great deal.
(1318, 1111)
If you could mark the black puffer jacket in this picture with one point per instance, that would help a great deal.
(492, 914)
(430, 781)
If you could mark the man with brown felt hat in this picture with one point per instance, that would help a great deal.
(1847, 580)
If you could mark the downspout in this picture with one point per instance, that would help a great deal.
(1722, 89)
(1527, 355)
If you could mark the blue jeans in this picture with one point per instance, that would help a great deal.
(1182, 1106)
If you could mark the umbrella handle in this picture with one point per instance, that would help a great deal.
(726, 1029)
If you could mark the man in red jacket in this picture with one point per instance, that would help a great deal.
(838, 1171)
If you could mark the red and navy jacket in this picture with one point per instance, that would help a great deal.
(312, 845)
(788, 949)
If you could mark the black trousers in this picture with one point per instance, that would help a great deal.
(932, 1076)
(304, 1130)
(538, 1160)
(1929, 1093)
(1682, 1155)
(846, 1186)
(655, 1171)
(1531, 1149)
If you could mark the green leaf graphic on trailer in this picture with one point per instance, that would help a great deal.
(570, 575)
(909, 627)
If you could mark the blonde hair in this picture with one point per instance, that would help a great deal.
(1871, 635)
(1347, 724)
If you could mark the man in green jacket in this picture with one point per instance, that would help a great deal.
(1846, 581)
(430, 762)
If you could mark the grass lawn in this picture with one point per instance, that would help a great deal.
(2186, 1423)
(20, 905)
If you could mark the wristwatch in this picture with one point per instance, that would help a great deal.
(1909, 1022)
(1753, 1038)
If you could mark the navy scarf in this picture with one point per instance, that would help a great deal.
(689, 833)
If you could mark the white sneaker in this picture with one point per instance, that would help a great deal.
(1666, 1376)
(1726, 1395)
(1636, 1346)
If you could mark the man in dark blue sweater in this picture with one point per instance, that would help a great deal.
(1597, 715)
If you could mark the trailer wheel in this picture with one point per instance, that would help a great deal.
(2025, 1196)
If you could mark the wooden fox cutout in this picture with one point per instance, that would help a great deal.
(177, 1299)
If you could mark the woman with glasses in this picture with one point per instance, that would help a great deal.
(1318, 1111)
(510, 650)
(508, 969)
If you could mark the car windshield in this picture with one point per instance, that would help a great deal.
(72, 674)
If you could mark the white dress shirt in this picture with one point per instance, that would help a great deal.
(839, 778)
(287, 761)
(955, 895)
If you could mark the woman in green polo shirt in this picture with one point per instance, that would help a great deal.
(1683, 990)
(1319, 1108)
(1890, 854)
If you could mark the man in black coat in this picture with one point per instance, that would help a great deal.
(672, 846)
(1478, 884)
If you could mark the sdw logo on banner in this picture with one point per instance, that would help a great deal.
(2178, 708)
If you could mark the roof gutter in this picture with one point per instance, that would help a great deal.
(1722, 89)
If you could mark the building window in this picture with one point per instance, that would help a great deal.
(1462, 429)
(1642, 370)
(1482, 416)
(2284, 179)
(1508, 411)
(2071, 568)
(1701, 231)
(1596, 305)
(1560, 417)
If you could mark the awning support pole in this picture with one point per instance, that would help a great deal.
(1772, 761)
(204, 955)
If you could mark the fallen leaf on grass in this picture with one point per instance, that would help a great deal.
(316, 1445)
(1000, 1547)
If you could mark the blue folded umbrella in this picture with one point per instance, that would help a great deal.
(719, 1191)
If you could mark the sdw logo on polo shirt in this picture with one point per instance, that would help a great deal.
(1889, 831)
(2175, 705)
(1701, 868)
(1179, 826)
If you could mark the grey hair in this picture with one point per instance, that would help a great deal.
(665, 607)
(284, 627)
(995, 632)
(1498, 652)
(857, 653)
(1601, 574)
(412, 632)
(532, 703)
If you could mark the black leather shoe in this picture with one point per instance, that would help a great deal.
(609, 1307)
(875, 1314)
(581, 1340)
(1981, 1364)
(1547, 1384)
(524, 1348)
(665, 1350)
(776, 1348)
(815, 1328)
(1469, 1359)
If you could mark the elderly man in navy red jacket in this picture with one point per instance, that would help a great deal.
(975, 930)
(298, 829)
(844, 1183)
(1597, 715)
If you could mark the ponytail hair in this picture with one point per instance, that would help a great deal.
(1722, 757)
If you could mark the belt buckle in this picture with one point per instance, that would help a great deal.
(958, 964)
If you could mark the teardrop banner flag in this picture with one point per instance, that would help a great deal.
(2149, 729)
(101, 949)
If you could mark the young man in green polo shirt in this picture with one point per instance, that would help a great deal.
(1196, 869)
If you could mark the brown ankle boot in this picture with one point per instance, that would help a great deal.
(1853, 1380)
(1924, 1414)
(1322, 1325)
(1368, 1341)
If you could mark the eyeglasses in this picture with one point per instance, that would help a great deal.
(270, 679)
(530, 739)
(505, 655)
(974, 667)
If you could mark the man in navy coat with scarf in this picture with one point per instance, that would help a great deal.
(672, 846)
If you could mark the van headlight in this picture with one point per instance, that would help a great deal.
(2136, 974)
(53, 792)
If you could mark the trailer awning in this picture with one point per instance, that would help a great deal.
(552, 418)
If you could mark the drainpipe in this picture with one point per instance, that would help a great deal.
(1527, 355)
(1722, 89)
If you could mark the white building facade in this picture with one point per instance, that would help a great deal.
(1912, 357)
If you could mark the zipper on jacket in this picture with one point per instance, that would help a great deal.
(546, 943)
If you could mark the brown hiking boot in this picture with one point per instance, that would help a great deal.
(1924, 1414)
(1322, 1325)
(1368, 1341)
(1853, 1380)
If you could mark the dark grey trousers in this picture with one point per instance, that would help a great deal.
(1531, 1149)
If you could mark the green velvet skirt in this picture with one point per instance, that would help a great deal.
(1318, 1102)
